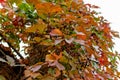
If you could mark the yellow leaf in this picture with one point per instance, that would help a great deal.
(53, 57)
(38, 27)
(31, 29)
(63, 59)
(37, 39)
(15, 1)
(34, 2)
(50, 58)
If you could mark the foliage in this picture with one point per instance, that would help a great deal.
(66, 40)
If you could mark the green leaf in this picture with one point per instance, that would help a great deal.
(26, 7)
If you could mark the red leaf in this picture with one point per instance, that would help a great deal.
(103, 60)
(2, 1)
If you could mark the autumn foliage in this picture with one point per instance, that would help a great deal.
(64, 40)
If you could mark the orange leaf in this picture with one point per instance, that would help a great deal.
(88, 42)
(47, 8)
(89, 50)
(56, 32)
(53, 57)
(50, 58)
(55, 9)
(106, 27)
(81, 36)
(57, 72)
(80, 29)
(57, 56)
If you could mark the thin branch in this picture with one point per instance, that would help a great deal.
(3, 37)
(2, 52)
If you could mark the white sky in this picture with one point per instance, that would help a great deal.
(110, 11)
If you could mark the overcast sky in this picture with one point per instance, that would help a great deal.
(110, 11)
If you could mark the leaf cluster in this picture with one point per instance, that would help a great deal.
(66, 39)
